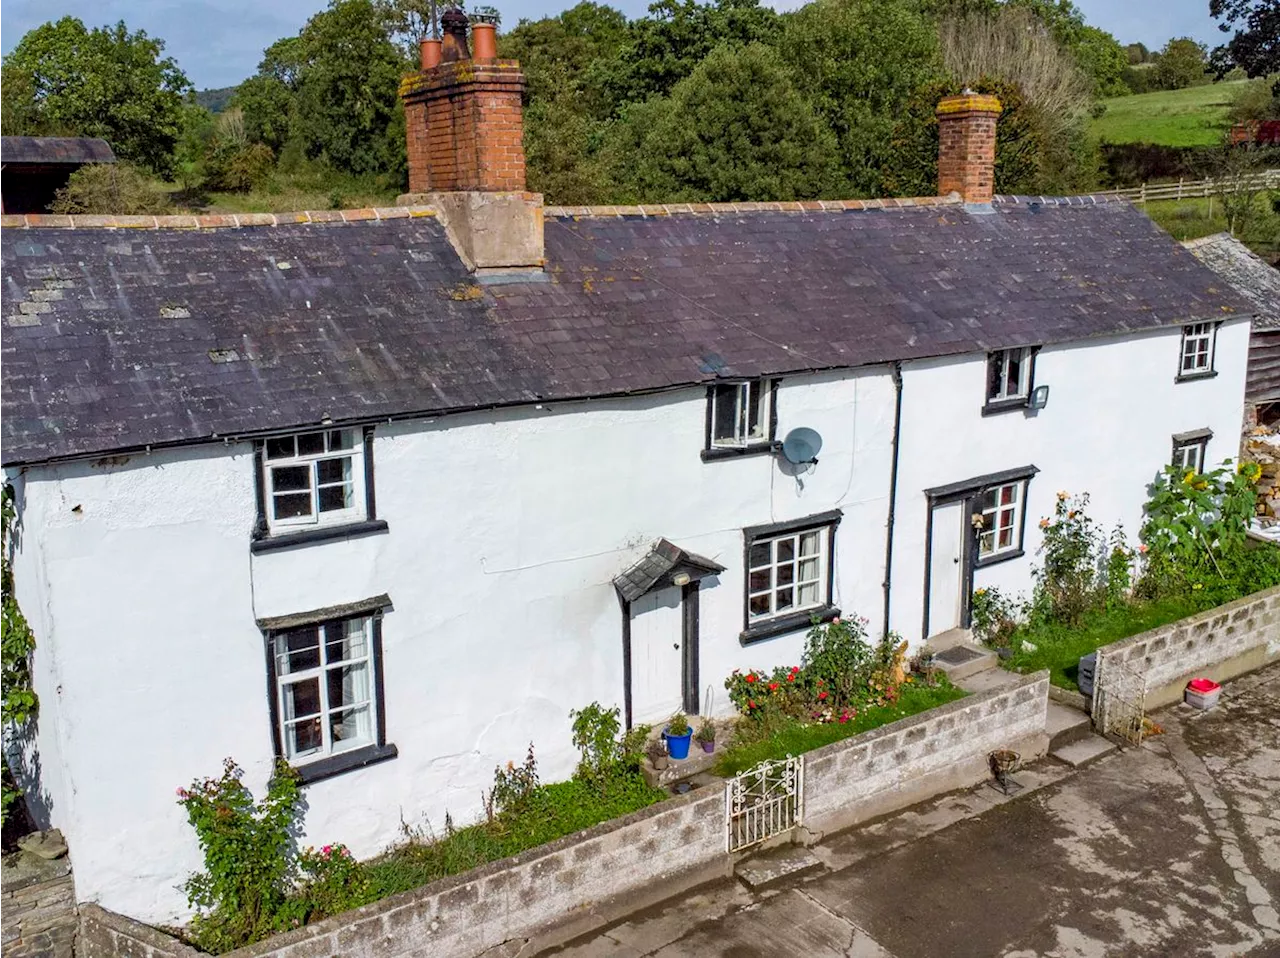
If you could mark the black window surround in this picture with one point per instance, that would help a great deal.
(993, 407)
(973, 488)
(769, 444)
(262, 540)
(804, 618)
(1195, 438)
(1209, 373)
(380, 750)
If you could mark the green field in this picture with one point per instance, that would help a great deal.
(1196, 116)
(1190, 219)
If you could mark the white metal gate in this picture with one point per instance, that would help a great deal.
(1124, 701)
(763, 801)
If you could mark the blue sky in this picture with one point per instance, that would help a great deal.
(219, 42)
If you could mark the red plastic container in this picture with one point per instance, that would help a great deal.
(1202, 693)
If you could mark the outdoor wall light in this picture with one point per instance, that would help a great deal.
(680, 578)
(1039, 397)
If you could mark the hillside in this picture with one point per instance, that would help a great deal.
(1196, 116)
(215, 101)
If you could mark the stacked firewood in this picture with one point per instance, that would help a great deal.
(1262, 445)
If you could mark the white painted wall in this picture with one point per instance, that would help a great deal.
(506, 530)
(1114, 406)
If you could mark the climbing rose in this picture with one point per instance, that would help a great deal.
(751, 676)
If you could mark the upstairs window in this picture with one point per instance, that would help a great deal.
(314, 478)
(1009, 377)
(1197, 350)
(1001, 531)
(740, 415)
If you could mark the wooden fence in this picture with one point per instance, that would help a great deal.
(1193, 189)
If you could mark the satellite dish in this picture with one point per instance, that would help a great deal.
(801, 446)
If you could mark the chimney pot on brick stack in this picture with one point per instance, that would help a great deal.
(429, 49)
(484, 41)
(454, 24)
(967, 146)
(464, 128)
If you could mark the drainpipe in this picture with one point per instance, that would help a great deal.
(893, 490)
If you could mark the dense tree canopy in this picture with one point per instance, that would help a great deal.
(698, 99)
(1254, 26)
(1181, 63)
(64, 79)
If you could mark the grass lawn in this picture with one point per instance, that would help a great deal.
(1196, 116)
(799, 737)
(1190, 219)
(559, 809)
(1059, 647)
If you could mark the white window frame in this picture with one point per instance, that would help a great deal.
(1196, 448)
(1005, 357)
(992, 519)
(774, 566)
(358, 508)
(1198, 340)
(745, 394)
(330, 744)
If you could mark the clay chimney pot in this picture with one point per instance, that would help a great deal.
(430, 51)
(484, 41)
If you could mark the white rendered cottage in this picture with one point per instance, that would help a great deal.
(387, 493)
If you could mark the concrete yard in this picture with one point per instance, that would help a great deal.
(1170, 850)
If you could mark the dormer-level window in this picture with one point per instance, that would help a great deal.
(1197, 350)
(314, 478)
(1009, 377)
(740, 416)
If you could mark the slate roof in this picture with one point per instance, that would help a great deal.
(116, 339)
(50, 150)
(654, 566)
(1247, 273)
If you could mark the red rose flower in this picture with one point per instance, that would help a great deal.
(791, 677)
(821, 696)
(751, 676)
(773, 686)
(751, 704)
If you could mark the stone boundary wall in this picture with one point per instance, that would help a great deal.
(1219, 644)
(548, 895)
(39, 908)
(936, 751)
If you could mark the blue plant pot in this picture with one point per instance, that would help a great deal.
(678, 748)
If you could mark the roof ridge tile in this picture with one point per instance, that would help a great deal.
(205, 221)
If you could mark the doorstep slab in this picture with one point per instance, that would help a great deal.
(776, 864)
(1086, 750)
(1065, 725)
(964, 659)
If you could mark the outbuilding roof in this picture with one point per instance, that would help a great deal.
(55, 150)
(1246, 272)
(193, 329)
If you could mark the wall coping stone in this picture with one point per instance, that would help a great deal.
(1199, 619)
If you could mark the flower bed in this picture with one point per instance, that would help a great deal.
(1092, 590)
(843, 686)
(792, 738)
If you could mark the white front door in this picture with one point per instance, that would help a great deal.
(657, 670)
(946, 567)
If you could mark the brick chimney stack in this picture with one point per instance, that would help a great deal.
(967, 146)
(464, 128)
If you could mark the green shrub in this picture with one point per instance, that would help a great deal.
(110, 189)
(513, 789)
(250, 868)
(332, 882)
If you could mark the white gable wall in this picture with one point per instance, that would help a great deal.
(506, 530)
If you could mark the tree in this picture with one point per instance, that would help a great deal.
(666, 46)
(347, 106)
(268, 98)
(1180, 64)
(735, 129)
(104, 82)
(1104, 60)
(859, 62)
(1255, 42)
(1137, 53)
(578, 47)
